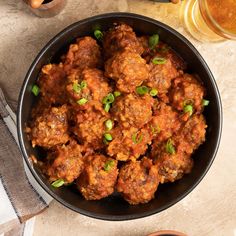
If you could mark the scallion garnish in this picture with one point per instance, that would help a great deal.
(141, 90)
(153, 41)
(58, 183)
(109, 124)
(188, 109)
(82, 101)
(170, 147)
(35, 90)
(107, 107)
(158, 60)
(76, 87)
(136, 139)
(108, 99)
(205, 102)
(83, 84)
(117, 93)
(108, 165)
(153, 92)
(108, 137)
(98, 34)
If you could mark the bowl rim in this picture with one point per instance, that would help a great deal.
(23, 90)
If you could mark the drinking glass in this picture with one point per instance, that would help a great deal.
(210, 20)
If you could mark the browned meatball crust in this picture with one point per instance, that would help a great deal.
(129, 144)
(138, 181)
(128, 69)
(89, 125)
(98, 178)
(121, 37)
(85, 53)
(132, 110)
(65, 162)
(91, 85)
(50, 128)
(52, 84)
(187, 90)
(165, 122)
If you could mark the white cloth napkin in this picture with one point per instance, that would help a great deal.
(21, 197)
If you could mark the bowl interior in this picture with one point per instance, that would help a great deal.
(114, 207)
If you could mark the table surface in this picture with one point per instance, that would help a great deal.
(211, 208)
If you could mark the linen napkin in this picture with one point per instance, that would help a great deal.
(21, 197)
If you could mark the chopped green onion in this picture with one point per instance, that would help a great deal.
(153, 92)
(188, 108)
(109, 124)
(108, 99)
(205, 102)
(169, 147)
(83, 84)
(188, 102)
(136, 139)
(117, 93)
(76, 87)
(155, 129)
(141, 90)
(82, 101)
(107, 107)
(153, 41)
(158, 60)
(105, 141)
(108, 137)
(35, 90)
(98, 34)
(108, 165)
(58, 183)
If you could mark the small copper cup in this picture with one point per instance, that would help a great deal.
(48, 8)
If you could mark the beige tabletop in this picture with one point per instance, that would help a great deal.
(211, 208)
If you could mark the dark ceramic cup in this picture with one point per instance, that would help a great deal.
(114, 207)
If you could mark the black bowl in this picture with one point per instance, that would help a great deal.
(114, 207)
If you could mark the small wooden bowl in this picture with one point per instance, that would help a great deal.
(167, 233)
(49, 9)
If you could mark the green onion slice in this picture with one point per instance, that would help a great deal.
(108, 165)
(156, 129)
(117, 93)
(58, 183)
(107, 107)
(108, 99)
(76, 87)
(108, 137)
(205, 102)
(153, 41)
(137, 139)
(170, 147)
(83, 84)
(82, 101)
(188, 108)
(141, 90)
(153, 92)
(98, 34)
(109, 124)
(158, 60)
(35, 90)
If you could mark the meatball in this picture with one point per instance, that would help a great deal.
(165, 122)
(50, 128)
(89, 126)
(132, 110)
(121, 37)
(98, 178)
(138, 181)
(85, 53)
(52, 84)
(128, 144)
(128, 69)
(161, 76)
(187, 90)
(66, 162)
(91, 85)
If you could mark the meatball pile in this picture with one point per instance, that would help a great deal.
(118, 113)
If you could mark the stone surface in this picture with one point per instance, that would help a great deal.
(211, 208)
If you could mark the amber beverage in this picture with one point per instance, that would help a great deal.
(210, 20)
